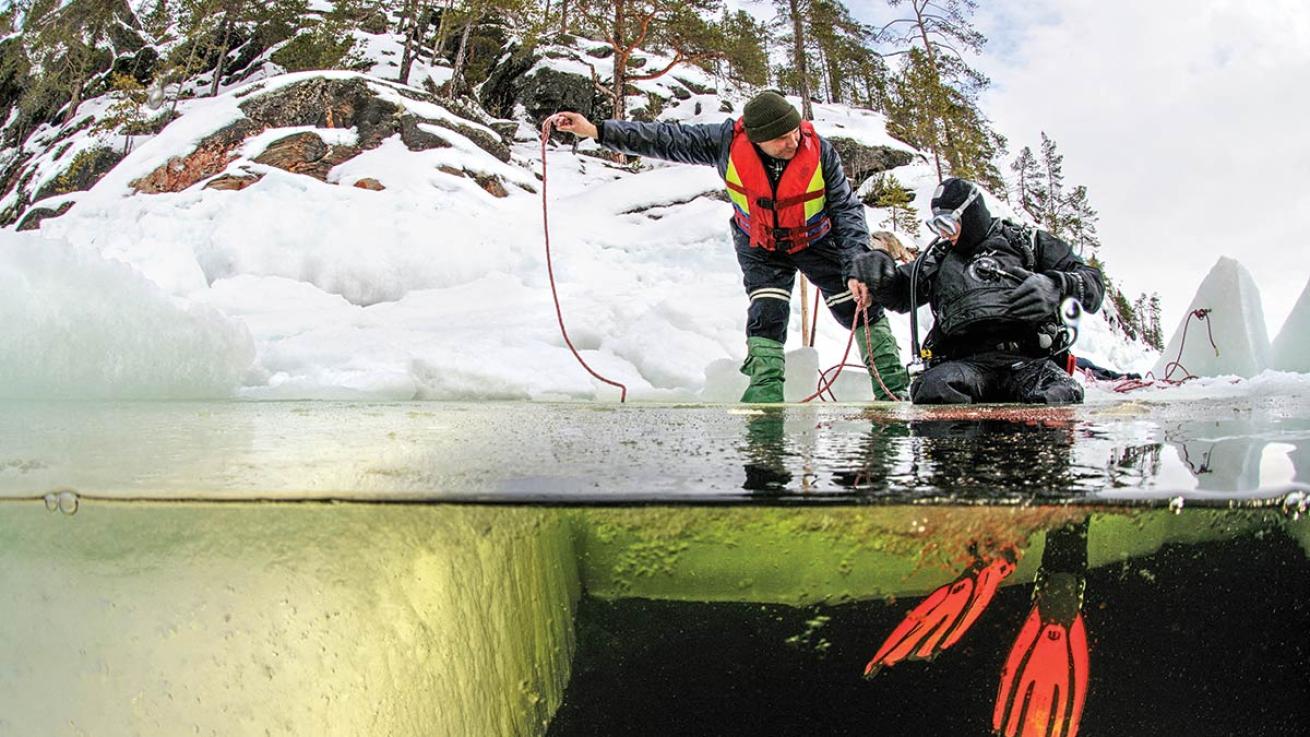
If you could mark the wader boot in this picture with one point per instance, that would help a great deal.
(886, 359)
(764, 365)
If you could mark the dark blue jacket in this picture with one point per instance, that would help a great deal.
(710, 145)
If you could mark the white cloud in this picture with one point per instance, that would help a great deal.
(1185, 119)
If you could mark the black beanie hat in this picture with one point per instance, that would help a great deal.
(768, 115)
(975, 221)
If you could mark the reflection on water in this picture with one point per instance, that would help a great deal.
(437, 619)
(586, 453)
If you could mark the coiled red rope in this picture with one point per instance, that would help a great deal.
(550, 269)
(825, 384)
(1129, 385)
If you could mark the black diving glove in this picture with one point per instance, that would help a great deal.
(876, 269)
(1035, 299)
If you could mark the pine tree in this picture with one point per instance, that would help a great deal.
(1026, 179)
(126, 114)
(744, 50)
(409, 22)
(213, 35)
(794, 14)
(1156, 338)
(936, 91)
(1128, 321)
(1040, 189)
(1052, 206)
(233, 13)
(842, 45)
(67, 43)
(1080, 222)
(901, 216)
(683, 27)
(1142, 320)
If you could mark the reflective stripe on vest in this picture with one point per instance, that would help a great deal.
(793, 217)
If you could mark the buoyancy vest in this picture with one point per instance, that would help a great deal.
(793, 216)
(978, 287)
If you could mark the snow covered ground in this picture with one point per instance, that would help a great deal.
(295, 288)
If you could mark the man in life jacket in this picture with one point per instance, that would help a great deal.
(793, 209)
(995, 289)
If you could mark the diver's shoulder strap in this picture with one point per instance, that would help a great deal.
(1023, 236)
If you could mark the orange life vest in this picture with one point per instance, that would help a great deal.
(791, 218)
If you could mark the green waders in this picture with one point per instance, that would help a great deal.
(764, 365)
(886, 359)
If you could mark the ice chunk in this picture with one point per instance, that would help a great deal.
(1236, 321)
(1291, 350)
(723, 381)
(802, 374)
(79, 326)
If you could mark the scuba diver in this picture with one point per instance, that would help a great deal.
(995, 289)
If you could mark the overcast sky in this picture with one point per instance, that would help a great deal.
(1186, 119)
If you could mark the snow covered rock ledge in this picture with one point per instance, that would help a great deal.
(370, 109)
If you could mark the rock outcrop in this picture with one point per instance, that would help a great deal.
(319, 102)
(861, 161)
(521, 79)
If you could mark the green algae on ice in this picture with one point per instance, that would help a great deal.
(805, 556)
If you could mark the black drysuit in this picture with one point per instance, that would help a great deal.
(979, 351)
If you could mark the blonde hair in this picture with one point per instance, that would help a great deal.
(885, 240)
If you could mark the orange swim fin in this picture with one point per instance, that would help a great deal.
(941, 619)
(1044, 683)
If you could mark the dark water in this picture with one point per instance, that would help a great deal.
(1198, 639)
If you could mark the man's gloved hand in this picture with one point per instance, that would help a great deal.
(1037, 297)
(876, 269)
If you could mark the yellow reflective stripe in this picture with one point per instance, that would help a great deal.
(737, 198)
(815, 206)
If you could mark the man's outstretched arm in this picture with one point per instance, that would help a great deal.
(685, 144)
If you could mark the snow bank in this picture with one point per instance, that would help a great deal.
(79, 326)
(434, 289)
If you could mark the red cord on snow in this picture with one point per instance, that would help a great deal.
(550, 269)
(1129, 385)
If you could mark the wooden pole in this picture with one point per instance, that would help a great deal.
(805, 311)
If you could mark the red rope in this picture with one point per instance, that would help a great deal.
(868, 359)
(845, 354)
(825, 384)
(1129, 385)
(550, 269)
